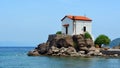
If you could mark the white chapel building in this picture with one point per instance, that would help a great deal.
(74, 25)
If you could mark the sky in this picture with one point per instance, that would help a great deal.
(29, 22)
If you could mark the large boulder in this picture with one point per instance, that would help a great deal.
(94, 51)
(82, 43)
(69, 40)
(50, 52)
(89, 43)
(33, 53)
(52, 42)
(54, 49)
(63, 49)
(70, 50)
(76, 37)
(43, 48)
(60, 41)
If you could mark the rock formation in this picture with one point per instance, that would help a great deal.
(65, 45)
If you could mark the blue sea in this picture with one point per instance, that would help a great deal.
(16, 57)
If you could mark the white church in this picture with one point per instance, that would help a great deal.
(74, 25)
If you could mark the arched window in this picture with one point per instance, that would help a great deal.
(84, 29)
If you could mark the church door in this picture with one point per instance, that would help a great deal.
(66, 29)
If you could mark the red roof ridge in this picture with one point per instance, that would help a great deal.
(83, 18)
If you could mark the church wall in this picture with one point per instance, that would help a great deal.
(70, 27)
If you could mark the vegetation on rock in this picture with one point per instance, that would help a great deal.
(87, 35)
(58, 32)
(102, 39)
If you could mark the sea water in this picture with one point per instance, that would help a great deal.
(16, 57)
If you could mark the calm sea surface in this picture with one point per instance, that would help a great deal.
(15, 57)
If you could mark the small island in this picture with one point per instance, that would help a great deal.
(75, 39)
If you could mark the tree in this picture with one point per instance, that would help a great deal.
(102, 39)
(58, 32)
(87, 35)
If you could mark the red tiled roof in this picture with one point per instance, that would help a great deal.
(83, 18)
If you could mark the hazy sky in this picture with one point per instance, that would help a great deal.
(29, 22)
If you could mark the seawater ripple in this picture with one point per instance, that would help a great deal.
(15, 57)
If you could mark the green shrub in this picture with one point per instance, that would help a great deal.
(102, 39)
(58, 32)
(87, 35)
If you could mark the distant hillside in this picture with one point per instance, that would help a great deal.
(115, 42)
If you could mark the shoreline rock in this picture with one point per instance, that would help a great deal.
(33, 53)
(65, 45)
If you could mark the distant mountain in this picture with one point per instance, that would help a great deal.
(115, 42)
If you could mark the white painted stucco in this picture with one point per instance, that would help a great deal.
(80, 27)
(70, 27)
(76, 27)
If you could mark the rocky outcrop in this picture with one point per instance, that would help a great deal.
(33, 53)
(65, 45)
(42, 48)
(82, 44)
(60, 41)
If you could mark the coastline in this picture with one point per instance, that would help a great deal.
(75, 46)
